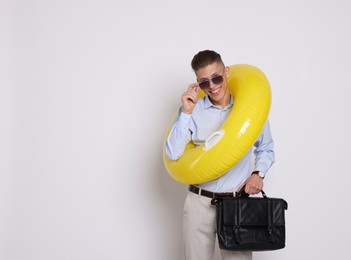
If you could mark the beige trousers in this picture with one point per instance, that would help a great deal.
(199, 231)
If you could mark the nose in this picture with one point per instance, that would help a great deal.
(212, 84)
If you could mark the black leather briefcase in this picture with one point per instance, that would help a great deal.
(250, 223)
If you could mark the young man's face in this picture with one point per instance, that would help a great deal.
(217, 92)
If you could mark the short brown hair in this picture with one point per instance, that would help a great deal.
(205, 58)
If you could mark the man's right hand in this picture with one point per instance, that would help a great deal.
(189, 98)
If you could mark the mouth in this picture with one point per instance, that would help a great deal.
(215, 91)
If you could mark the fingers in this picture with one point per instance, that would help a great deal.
(252, 190)
(190, 98)
(254, 184)
(194, 88)
(193, 91)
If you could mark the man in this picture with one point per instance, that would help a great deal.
(196, 121)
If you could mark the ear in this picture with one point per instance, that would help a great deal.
(227, 71)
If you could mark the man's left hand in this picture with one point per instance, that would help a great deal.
(254, 184)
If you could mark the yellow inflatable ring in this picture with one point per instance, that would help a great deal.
(226, 147)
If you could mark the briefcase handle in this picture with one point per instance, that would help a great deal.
(242, 194)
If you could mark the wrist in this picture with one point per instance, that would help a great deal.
(258, 173)
(187, 111)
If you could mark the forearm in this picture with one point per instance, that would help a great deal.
(264, 161)
(178, 137)
(264, 152)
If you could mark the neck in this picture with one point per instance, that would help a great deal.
(223, 103)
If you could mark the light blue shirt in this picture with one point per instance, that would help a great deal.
(205, 119)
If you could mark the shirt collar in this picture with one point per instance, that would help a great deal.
(208, 103)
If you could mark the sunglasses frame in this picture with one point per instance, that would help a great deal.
(207, 81)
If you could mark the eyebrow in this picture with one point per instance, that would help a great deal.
(212, 76)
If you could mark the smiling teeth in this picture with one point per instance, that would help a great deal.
(215, 91)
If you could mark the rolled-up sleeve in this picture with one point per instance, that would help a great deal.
(179, 136)
(264, 150)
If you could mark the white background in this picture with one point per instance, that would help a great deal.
(88, 88)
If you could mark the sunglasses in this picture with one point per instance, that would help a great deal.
(218, 79)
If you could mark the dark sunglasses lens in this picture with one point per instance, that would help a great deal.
(204, 84)
(217, 79)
